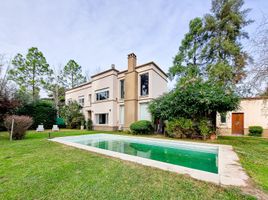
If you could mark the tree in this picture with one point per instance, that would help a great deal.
(223, 50)
(72, 75)
(29, 72)
(56, 89)
(212, 48)
(209, 64)
(187, 64)
(259, 70)
(72, 115)
(194, 101)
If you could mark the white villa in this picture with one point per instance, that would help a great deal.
(114, 99)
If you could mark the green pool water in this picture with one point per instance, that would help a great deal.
(187, 157)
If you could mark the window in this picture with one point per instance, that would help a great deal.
(144, 113)
(121, 114)
(81, 100)
(102, 118)
(122, 89)
(144, 87)
(89, 99)
(223, 118)
(69, 101)
(102, 95)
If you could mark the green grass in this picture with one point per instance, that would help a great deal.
(35, 168)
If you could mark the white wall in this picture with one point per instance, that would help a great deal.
(255, 114)
(105, 81)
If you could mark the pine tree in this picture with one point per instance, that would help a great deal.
(187, 64)
(223, 50)
(30, 72)
(72, 75)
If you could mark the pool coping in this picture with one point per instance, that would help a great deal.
(230, 172)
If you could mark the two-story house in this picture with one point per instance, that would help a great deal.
(114, 99)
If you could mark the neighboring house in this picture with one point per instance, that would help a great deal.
(251, 112)
(114, 99)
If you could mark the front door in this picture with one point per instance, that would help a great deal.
(238, 123)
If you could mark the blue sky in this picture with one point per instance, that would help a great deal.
(98, 33)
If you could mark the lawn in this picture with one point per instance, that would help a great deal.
(36, 168)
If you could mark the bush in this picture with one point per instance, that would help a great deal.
(21, 124)
(141, 127)
(42, 112)
(180, 128)
(72, 115)
(89, 124)
(255, 131)
(77, 122)
(204, 127)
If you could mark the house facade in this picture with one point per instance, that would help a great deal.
(114, 99)
(251, 112)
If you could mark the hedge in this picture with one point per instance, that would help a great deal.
(255, 131)
(141, 127)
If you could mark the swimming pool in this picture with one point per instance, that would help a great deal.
(201, 161)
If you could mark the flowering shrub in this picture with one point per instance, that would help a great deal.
(21, 124)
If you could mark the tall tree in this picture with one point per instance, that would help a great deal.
(55, 88)
(187, 64)
(212, 48)
(29, 72)
(223, 50)
(72, 75)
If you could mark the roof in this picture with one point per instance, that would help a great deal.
(83, 84)
(119, 72)
(104, 72)
(255, 98)
(152, 63)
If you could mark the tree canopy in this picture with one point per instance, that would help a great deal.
(72, 75)
(29, 72)
(212, 48)
(194, 101)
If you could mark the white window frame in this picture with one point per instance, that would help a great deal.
(100, 91)
(120, 88)
(121, 114)
(106, 118)
(81, 100)
(140, 89)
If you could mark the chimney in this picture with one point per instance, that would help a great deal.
(113, 66)
(132, 62)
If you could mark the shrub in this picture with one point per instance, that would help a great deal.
(89, 124)
(141, 127)
(77, 122)
(255, 131)
(42, 112)
(204, 128)
(72, 115)
(21, 124)
(180, 127)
